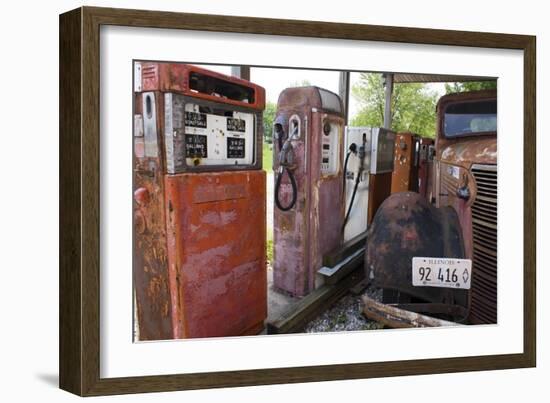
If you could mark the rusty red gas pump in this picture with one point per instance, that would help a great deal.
(405, 167)
(309, 201)
(425, 168)
(199, 203)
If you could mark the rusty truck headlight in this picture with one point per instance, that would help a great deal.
(463, 192)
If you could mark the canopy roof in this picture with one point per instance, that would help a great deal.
(435, 78)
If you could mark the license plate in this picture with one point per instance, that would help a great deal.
(441, 272)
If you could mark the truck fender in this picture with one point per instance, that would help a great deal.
(407, 226)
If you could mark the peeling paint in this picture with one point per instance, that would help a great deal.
(220, 253)
(471, 151)
(217, 218)
(150, 273)
(465, 150)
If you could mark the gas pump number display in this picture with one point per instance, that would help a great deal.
(330, 147)
(212, 139)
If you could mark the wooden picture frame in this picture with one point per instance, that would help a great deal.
(80, 183)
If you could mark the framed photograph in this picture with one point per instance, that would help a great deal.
(250, 201)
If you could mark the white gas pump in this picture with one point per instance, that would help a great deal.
(369, 151)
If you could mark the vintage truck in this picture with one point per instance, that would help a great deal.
(458, 220)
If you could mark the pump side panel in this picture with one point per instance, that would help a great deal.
(331, 218)
(151, 278)
(327, 198)
(216, 223)
(150, 275)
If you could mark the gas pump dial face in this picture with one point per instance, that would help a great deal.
(208, 134)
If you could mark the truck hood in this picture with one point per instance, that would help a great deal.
(471, 151)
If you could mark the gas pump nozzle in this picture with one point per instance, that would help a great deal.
(361, 154)
(286, 156)
(286, 163)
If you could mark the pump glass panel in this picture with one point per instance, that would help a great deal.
(207, 134)
(214, 139)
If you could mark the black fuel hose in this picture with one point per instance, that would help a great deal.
(278, 186)
(284, 148)
(345, 171)
(352, 149)
(357, 180)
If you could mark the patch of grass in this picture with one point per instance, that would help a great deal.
(267, 160)
(269, 250)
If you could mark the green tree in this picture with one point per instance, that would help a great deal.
(413, 105)
(300, 83)
(451, 88)
(269, 117)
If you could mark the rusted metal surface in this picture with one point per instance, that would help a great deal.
(484, 245)
(451, 179)
(150, 264)
(405, 166)
(467, 165)
(404, 227)
(313, 226)
(464, 151)
(189, 80)
(464, 224)
(216, 238)
(379, 190)
(436, 78)
(395, 317)
(469, 151)
(199, 238)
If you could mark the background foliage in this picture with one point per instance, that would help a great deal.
(451, 88)
(269, 116)
(413, 105)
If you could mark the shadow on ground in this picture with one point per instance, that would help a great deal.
(50, 379)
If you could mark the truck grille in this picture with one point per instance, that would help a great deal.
(483, 308)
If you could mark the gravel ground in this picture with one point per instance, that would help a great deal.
(345, 315)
